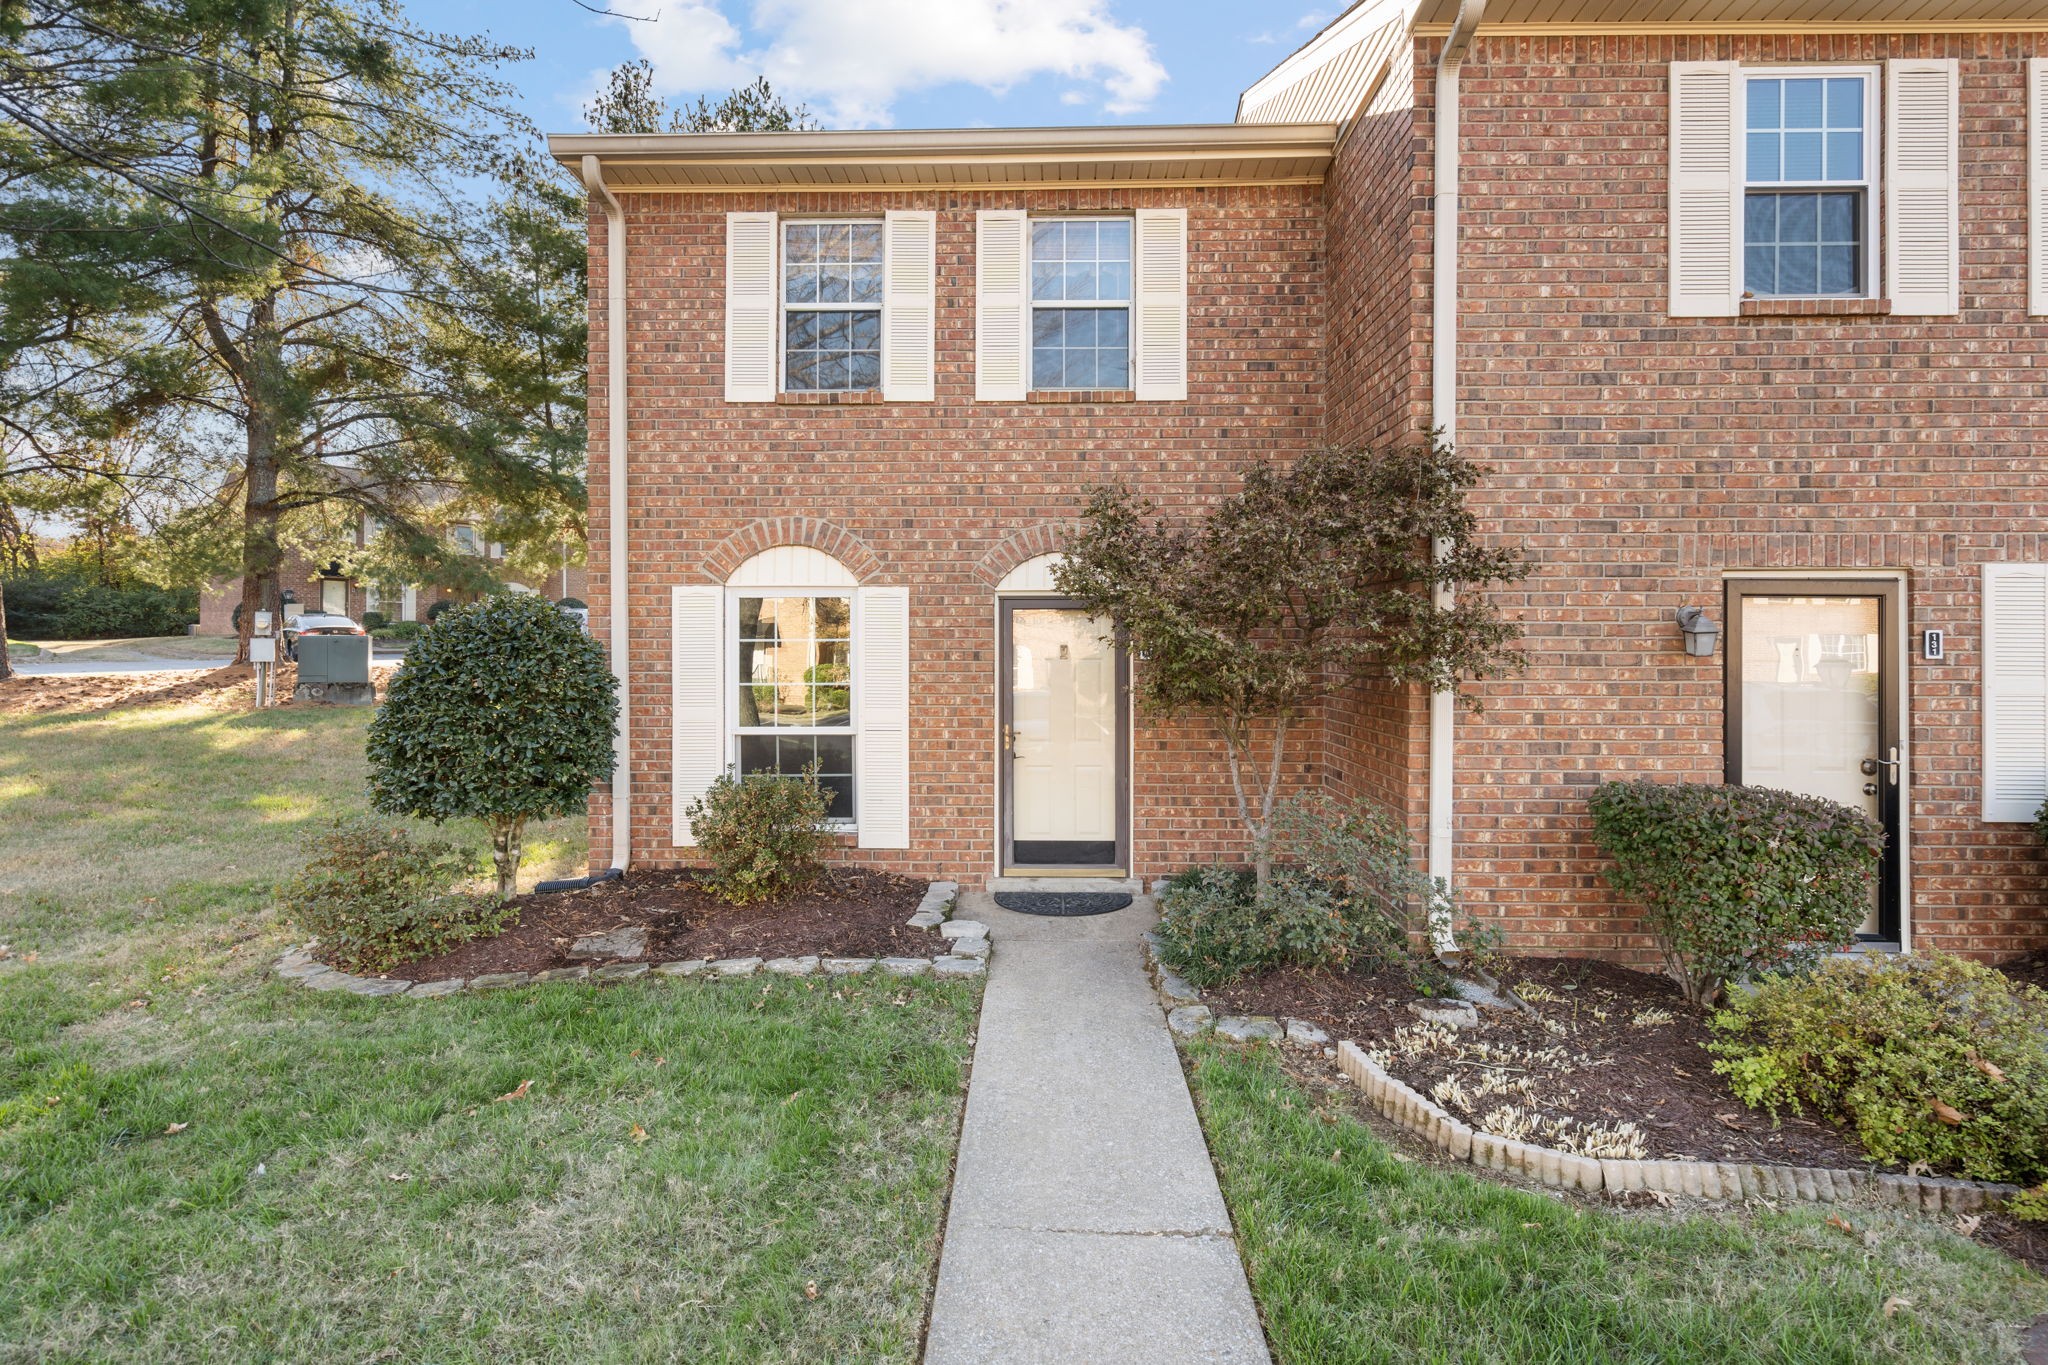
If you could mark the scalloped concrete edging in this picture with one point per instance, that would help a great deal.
(1409, 1110)
(967, 956)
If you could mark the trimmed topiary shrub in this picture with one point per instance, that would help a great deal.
(762, 834)
(1343, 895)
(503, 713)
(573, 604)
(374, 621)
(374, 898)
(1930, 1058)
(437, 608)
(1737, 880)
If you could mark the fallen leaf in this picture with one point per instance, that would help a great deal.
(1840, 1223)
(398, 1177)
(1730, 1120)
(1918, 1168)
(1337, 1155)
(518, 1092)
(1988, 1068)
(30, 957)
(1532, 1225)
(638, 1134)
(1893, 1304)
(1946, 1113)
(176, 1127)
(810, 1289)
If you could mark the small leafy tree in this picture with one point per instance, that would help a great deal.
(503, 713)
(1306, 580)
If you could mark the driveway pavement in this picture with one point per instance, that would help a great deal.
(1086, 1223)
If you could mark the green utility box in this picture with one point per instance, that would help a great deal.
(335, 669)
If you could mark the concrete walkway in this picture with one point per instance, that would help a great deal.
(1086, 1224)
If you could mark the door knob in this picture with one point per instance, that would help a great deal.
(1870, 789)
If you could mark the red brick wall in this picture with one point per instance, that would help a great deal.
(933, 491)
(1640, 457)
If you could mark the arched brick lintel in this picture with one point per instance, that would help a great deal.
(769, 532)
(1029, 543)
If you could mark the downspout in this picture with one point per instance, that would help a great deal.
(615, 524)
(1443, 416)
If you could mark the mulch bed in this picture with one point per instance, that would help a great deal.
(2031, 969)
(844, 912)
(1597, 1065)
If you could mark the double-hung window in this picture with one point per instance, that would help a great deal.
(1809, 183)
(831, 306)
(793, 690)
(1081, 303)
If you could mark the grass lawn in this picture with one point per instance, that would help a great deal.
(200, 1162)
(135, 648)
(1357, 1254)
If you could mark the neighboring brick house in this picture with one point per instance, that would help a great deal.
(331, 587)
(868, 378)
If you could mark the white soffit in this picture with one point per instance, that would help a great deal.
(1225, 153)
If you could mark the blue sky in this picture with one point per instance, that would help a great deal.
(908, 63)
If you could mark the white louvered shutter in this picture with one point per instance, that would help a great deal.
(750, 307)
(1159, 304)
(882, 746)
(910, 297)
(1706, 189)
(2037, 185)
(1921, 109)
(1002, 305)
(2015, 690)
(697, 712)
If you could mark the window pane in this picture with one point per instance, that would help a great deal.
(1798, 269)
(835, 754)
(799, 283)
(1838, 218)
(1802, 157)
(1798, 218)
(1080, 280)
(1838, 270)
(1845, 102)
(757, 753)
(1080, 241)
(1047, 369)
(833, 616)
(1114, 240)
(1113, 366)
(1765, 98)
(800, 242)
(1113, 328)
(1045, 279)
(1803, 102)
(1081, 348)
(865, 243)
(832, 350)
(1763, 157)
(835, 283)
(1081, 367)
(1760, 218)
(1760, 270)
(1047, 326)
(864, 370)
(1045, 240)
(1080, 327)
(867, 284)
(1845, 156)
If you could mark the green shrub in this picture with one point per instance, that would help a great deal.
(1737, 880)
(1928, 1058)
(1343, 895)
(374, 898)
(573, 604)
(2029, 1206)
(763, 835)
(399, 630)
(2041, 824)
(436, 608)
(90, 611)
(503, 713)
(374, 621)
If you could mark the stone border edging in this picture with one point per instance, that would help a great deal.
(1409, 1110)
(967, 956)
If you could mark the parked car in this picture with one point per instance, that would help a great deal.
(316, 623)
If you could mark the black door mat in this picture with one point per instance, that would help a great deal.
(1063, 902)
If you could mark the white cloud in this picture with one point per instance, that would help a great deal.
(852, 59)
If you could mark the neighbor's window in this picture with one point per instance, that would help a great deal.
(1808, 200)
(831, 306)
(795, 691)
(1081, 303)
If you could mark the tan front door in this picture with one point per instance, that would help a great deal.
(1062, 737)
(1814, 704)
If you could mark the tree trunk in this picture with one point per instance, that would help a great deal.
(262, 551)
(6, 665)
(505, 832)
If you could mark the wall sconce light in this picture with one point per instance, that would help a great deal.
(1700, 633)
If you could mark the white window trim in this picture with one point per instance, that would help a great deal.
(1871, 184)
(1031, 305)
(730, 692)
(783, 305)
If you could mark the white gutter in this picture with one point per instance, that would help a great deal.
(615, 522)
(1443, 415)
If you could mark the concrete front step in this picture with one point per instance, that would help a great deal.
(1129, 885)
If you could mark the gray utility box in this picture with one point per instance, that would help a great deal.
(335, 669)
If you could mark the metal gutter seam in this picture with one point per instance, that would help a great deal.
(1443, 410)
(615, 524)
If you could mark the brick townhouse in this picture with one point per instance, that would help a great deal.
(1748, 315)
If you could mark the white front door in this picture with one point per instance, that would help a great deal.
(1815, 707)
(1062, 737)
